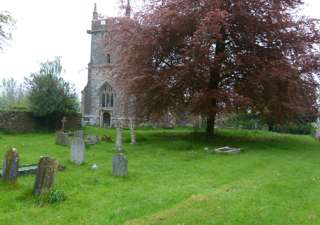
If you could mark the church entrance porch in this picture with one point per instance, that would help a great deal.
(106, 119)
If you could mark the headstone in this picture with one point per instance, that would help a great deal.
(91, 139)
(132, 132)
(118, 147)
(63, 121)
(47, 168)
(77, 150)
(10, 168)
(119, 165)
(62, 138)
(78, 133)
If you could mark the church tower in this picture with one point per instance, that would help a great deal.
(100, 101)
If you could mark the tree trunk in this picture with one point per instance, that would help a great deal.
(215, 78)
(210, 126)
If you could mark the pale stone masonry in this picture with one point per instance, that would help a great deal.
(102, 100)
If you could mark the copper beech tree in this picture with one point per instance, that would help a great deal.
(213, 56)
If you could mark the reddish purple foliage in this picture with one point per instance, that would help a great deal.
(212, 56)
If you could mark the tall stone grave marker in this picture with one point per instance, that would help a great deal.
(77, 150)
(47, 168)
(118, 147)
(119, 160)
(132, 132)
(10, 166)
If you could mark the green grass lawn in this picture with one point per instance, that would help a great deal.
(172, 180)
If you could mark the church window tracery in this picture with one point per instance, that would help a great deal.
(107, 96)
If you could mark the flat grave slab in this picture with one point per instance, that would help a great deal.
(31, 169)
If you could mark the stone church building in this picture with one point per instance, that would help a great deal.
(102, 100)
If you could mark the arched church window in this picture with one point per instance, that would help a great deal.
(107, 96)
(108, 100)
(111, 101)
(103, 100)
(108, 58)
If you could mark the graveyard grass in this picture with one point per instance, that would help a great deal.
(172, 180)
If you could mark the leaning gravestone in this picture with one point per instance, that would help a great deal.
(47, 168)
(10, 168)
(62, 138)
(78, 133)
(77, 150)
(119, 165)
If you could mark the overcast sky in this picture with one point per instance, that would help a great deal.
(49, 28)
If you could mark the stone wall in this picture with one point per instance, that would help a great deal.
(15, 121)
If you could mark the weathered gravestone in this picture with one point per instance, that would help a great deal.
(10, 168)
(47, 168)
(62, 138)
(77, 150)
(119, 165)
(132, 132)
(91, 139)
(78, 133)
(119, 160)
(118, 147)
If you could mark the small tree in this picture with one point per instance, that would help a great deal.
(12, 95)
(50, 96)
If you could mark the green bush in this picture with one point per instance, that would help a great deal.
(50, 96)
(295, 128)
(243, 121)
(250, 122)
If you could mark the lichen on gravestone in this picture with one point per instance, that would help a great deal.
(10, 166)
(47, 168)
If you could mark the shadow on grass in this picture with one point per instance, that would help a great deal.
(262, 140)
